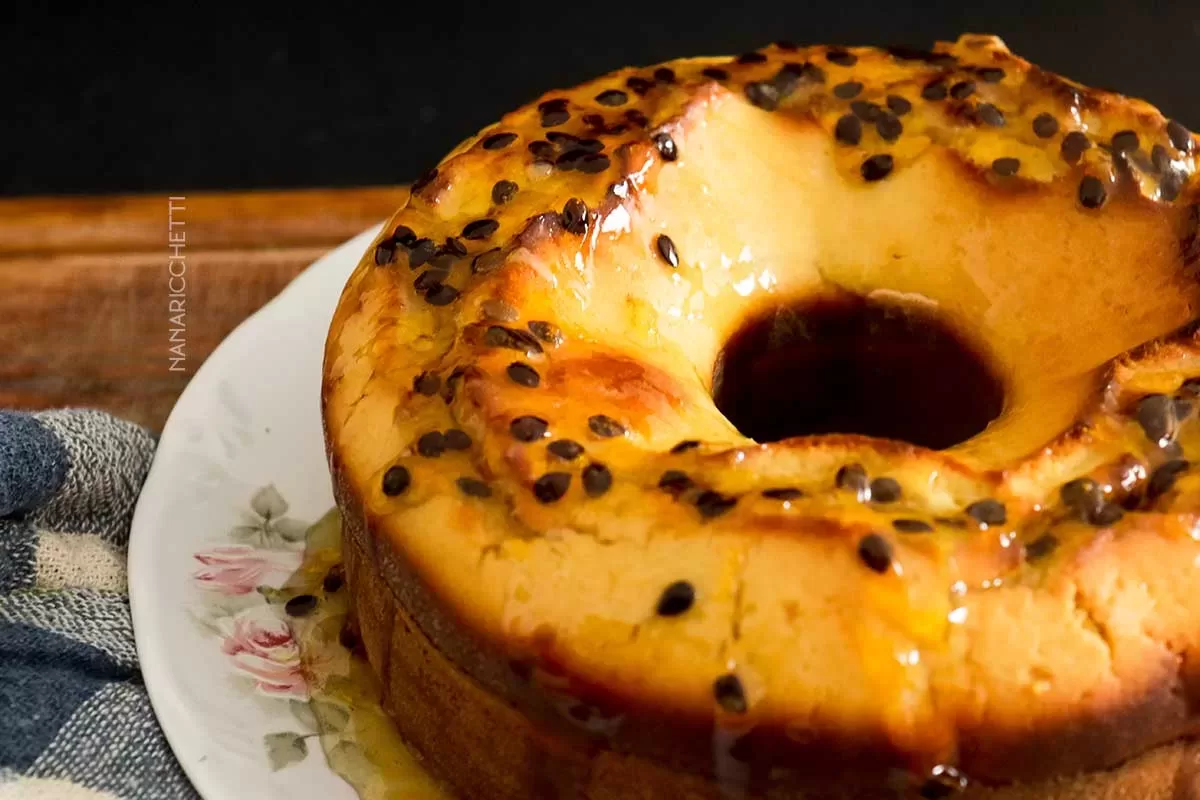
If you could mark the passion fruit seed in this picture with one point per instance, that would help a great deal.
(898, 105)
(551, 487)
(877, 167)
(528, 428)
(730, 694)
(334, 579)
(503, 191)
(962, 90)
(301, 605)
(431, 445)
(1092, 194)
(889, 127)
(499, 141)
(934, 91)
(1163, 478)
(566, 449)
(987, 512)
(473, 487)
(676, 599)
(848, 129)
(427, 384)
(480, 229)
(1074, 145)
(944, 781)
(1045, 125)
(988, 114)
(675, 482)
(842, 58)
(395, 481)
(605, 427)
(1006, 167)
(522, 374)
(547, 332)
(597, 479)
(1156, 414)
(712, 504)
(875, 552)
(885, 490)
(1181, 140)
(854, 478)
(666, 250)
(456, 440)
(847, 90)
(1041, 547)
(666, 146)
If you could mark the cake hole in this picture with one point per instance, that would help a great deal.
(851, 365)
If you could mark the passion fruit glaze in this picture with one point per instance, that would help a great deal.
(518, 400)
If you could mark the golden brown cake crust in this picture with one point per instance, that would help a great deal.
(556, 538)
(495, 751)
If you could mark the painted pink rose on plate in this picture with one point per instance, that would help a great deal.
(239, 569)
(260, 646)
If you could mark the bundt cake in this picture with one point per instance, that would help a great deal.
(813, 423)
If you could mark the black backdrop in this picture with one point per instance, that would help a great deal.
(334, 96)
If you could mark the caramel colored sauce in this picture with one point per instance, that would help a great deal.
(359, 740)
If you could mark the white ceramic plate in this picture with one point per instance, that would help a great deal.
(239, 473)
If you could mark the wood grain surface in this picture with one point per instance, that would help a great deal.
(85, 315)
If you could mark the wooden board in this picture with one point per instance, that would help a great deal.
(85, 286)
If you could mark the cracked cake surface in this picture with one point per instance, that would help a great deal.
(557, 536)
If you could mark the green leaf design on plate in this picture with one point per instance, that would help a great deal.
(284, 748)
(304, 714)
(332, 716)
(268, 503)
(290, 530)
(271, 594)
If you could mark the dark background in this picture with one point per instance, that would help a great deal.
(147, 100)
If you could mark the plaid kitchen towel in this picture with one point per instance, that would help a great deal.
(75, 721)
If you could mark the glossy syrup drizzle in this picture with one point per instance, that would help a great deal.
(995, 541)
(360, 742)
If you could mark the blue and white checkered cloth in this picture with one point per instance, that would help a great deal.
(75, 721)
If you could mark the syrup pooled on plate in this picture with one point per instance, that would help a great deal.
(358, 739)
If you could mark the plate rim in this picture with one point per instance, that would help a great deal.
(151, 649)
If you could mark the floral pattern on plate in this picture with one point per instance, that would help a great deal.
(211, 544)
(237, 582)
